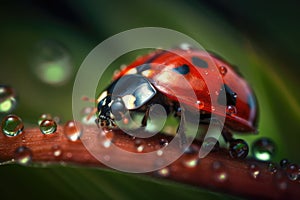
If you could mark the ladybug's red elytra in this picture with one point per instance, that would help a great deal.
(150, 84)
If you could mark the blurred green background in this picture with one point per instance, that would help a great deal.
(260, 38)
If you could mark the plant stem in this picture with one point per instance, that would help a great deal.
(217, 171)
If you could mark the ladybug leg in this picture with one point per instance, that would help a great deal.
(227, 135)
(181, 128)
(145, 118)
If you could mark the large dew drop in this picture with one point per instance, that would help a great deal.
(238, 148)
(12, 125)
(8, 100)
(52, 63)
(263, 149)
(73, 130)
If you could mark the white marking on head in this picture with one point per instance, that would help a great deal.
(102, 96)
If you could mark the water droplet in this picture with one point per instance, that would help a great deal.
(106, 143)
(292, 172)
(190, 161)
(12, 125)
(52, 63)
(213, 109)
(211, 144)
(164, 172)
(263, 149)
(8, 100)
(222, 70)
(272, 168)
(200, 104)
(159, 152)
(140, 148)
(73, 130)
(57, 151)
(23, 155)
(163, 142)
(231, 110)
(238, 148)
(48, 126)
(254, 171)
(220, 174)
(205, 72)
(43, 117)
(284, 163)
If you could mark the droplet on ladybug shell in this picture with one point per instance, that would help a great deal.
(231, 110)
(223, 70)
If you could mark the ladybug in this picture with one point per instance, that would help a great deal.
(153, 78)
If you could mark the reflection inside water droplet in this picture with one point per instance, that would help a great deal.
(48, 126)
(238, 148)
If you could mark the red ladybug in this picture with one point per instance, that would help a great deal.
(146, 82)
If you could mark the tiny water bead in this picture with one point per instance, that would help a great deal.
(43, 117)
(73, 130)
(272, 167)
(293, 172)
(254, 171)
(220, 173)
(57, 151)
(23, 155)
(8, 100)
(263, 149)
(164, 172)
(48, 126)
(222, 70)
(12, 125)
(284, 163)
(163, 142)
(231, 110)
(191, 161)
(238, 148)
(52, 62)
(140, 148)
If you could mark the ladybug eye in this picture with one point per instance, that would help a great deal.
(118, 108)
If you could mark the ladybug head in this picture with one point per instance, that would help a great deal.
(130, 92)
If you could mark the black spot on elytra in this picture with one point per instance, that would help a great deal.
(199, 62)
(183, 69)
(230, 96)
